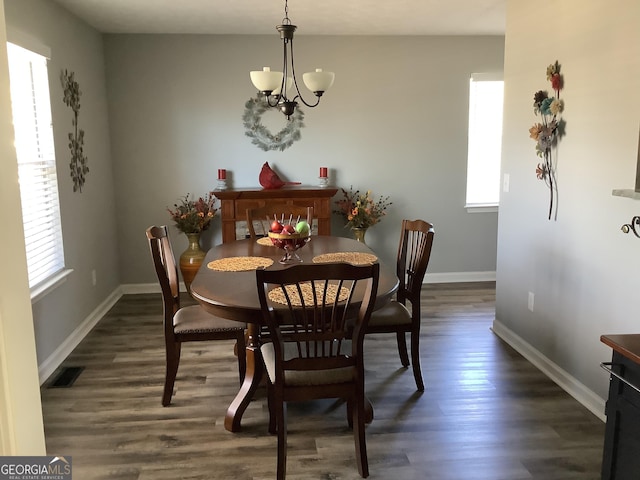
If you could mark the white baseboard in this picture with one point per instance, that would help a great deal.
(452, 277)
(592, 402)
(46, 368)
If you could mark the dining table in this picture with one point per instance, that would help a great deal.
(225, 286)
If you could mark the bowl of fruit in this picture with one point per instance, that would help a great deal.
(289, 236)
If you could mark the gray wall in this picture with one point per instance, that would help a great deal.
(88, 218)
(581, 268)
(394, 122)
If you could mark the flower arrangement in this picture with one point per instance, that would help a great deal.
(194, 216)
(359, 210)
(549, 130)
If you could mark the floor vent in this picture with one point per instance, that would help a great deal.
(66, 377)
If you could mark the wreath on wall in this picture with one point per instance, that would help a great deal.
(260, 135)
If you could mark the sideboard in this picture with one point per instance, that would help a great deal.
(621, 457)
(235, 202)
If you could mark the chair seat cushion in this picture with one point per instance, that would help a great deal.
(308, 377)
(193, 319)
(394, 313)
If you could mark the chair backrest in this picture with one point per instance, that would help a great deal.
(166, 269)
(414, 252)
(318, 326)
(263, 216)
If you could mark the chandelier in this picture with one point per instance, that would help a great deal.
(278, 87)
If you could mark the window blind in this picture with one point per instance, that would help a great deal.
(31, 108)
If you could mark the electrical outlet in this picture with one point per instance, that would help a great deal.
(530, 301)
(505, 183)
(94, 278)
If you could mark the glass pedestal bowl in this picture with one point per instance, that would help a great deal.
(290, 243)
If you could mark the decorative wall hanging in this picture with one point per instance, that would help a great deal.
(260, 135)
(78, 164)
(548, 131)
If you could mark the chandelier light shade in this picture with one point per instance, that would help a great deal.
(285, 94)
(266, 80)
(318, 82)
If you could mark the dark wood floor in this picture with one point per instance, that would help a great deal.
(486, 414)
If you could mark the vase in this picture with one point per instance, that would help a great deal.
(191, 259)
(359, 233)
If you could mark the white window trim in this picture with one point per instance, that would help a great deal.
(481, 208)
(27, 41)
(44, 288)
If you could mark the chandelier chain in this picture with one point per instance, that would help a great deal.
(286, 20)
(286, 97)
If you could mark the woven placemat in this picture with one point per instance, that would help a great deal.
(354, 258)
(266, 241)
(277, 295)
(239, 264)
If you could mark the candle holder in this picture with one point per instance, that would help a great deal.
(222, 179)
(323, 179)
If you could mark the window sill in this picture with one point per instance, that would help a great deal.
(481, 208)
(50, 284)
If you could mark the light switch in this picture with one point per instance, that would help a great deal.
(505, 183)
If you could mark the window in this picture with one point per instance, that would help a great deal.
(31, 107)
(485, 140)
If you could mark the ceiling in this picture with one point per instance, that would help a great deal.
(326, 17)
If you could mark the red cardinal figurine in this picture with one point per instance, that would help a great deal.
(270, 179)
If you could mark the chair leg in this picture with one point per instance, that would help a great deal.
(241, 352)
(402, 349)
(415, 359)
(173, 360)
(350, 412)
(359, 436)
(281, 426)
(271, 406)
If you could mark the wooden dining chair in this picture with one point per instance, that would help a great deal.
(311, 353)
(186, 324)
(414, 252)
(263, 216)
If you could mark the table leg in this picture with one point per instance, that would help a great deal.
(251, 381)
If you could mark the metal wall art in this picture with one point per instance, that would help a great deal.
(548, 131)
(78, 164)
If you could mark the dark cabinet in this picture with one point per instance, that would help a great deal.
(621, 456)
